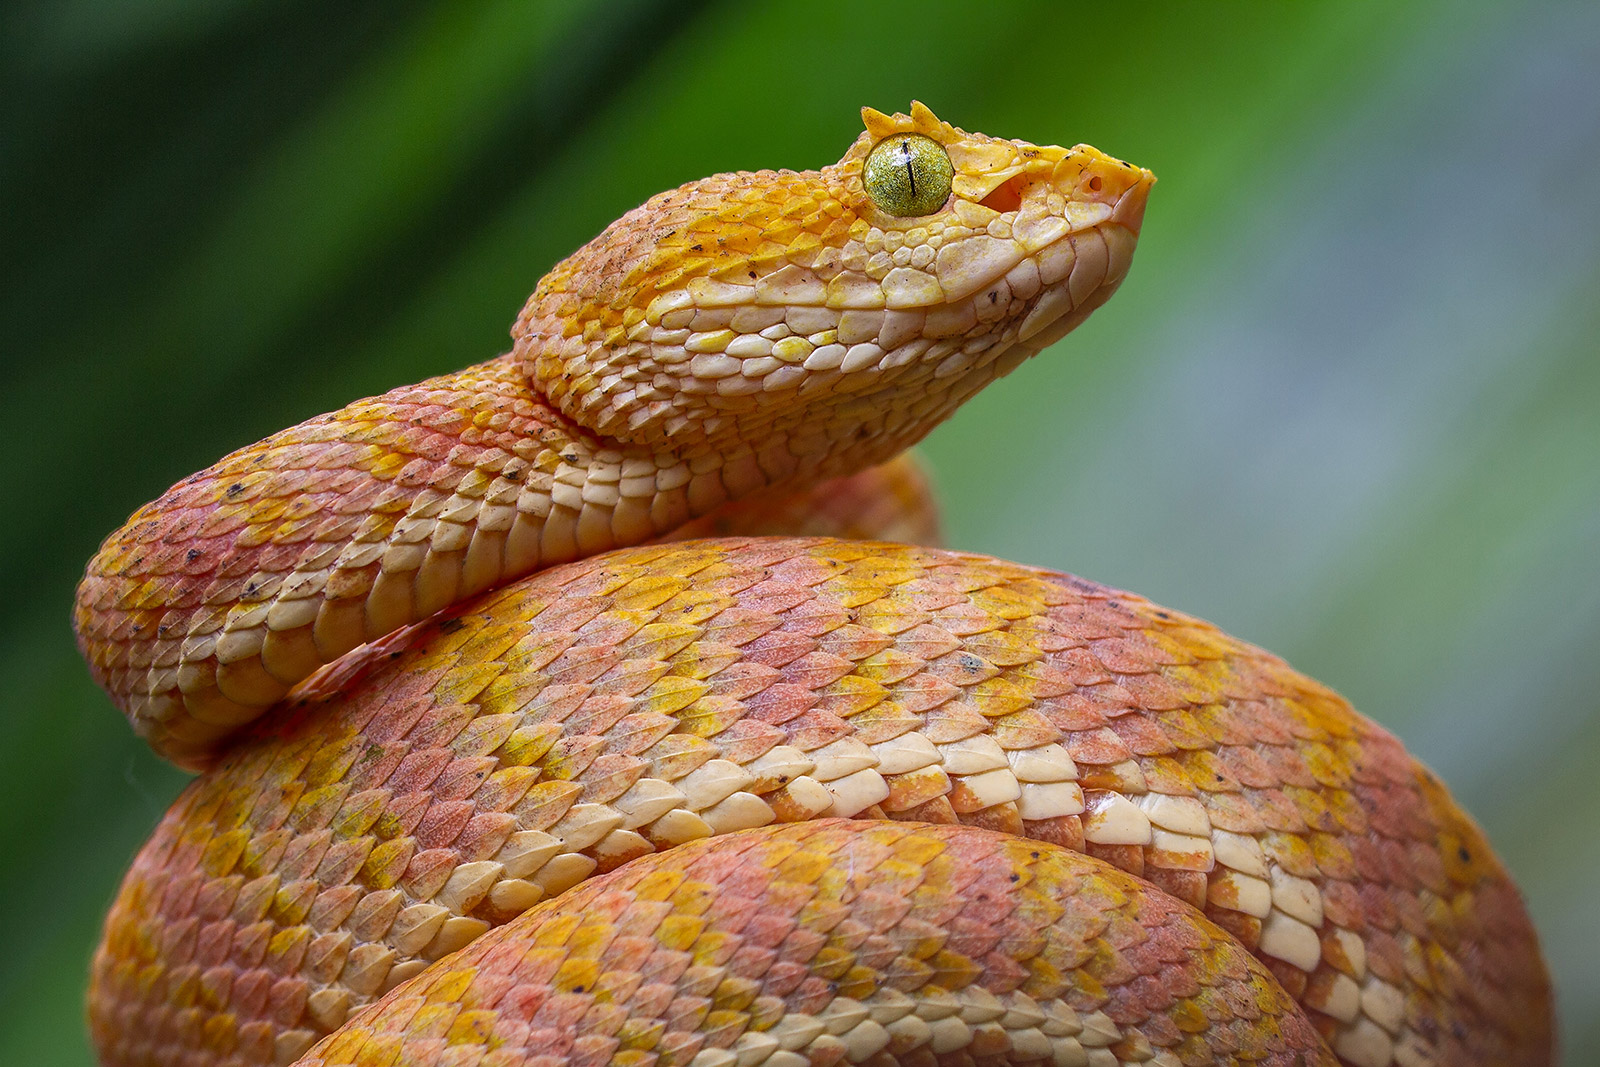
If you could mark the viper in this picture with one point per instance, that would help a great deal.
(524, 741)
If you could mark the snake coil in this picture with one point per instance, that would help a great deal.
(544, 783)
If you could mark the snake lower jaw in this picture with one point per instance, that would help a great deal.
(1099, 261)
(1129, 209)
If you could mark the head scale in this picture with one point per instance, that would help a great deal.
(800, 316)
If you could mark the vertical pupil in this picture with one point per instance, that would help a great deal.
(911, 174)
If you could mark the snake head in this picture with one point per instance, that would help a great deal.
(824, 320)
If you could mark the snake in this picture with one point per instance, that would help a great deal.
(606, 704)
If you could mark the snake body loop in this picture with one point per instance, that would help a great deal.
(554, 786)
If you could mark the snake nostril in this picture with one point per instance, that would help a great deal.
(1095, 183)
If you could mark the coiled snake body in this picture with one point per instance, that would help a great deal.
(922, 807)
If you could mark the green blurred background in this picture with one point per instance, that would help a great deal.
(1347, 405)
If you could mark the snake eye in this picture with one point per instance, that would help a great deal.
(908, 174)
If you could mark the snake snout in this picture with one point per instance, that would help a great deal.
(1087, 174)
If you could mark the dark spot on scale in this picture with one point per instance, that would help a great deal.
(251, 589)
(234, 490)
(752, 274)
(193, 554)
(697, 248)
(450, 626)
(1034, 853)
(969, 663)
(1219, 776)
(994, 295)
(1466, 857)
(1113, 603)
(1016, 877)
(569, 457)
(1162, 615)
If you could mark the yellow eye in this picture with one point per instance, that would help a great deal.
(908, 174)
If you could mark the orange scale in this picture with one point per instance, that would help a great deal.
(1168, 776)
(1127, 655)
(1142, 735)
(748, 739)
(387, 863)
(1313, 808)
(818, 728)
(1158, 691)
(1259, 720)
(1072, 668)
(1291, 852)
(890, 666)
(966, 619)
(1232, 812)
(440, 726)
(403, 812)
(1096, 747)
(850, 696)
(816, 670)
(781, 702)
(1286, 767)
(915, 788)
(1111, 699)
(1003, 649)
(461, 778)
(428, 871)
(1411, 913)
(886, 720)
(334, 905)
(711, 716)
(1247, 765)
(1333, 856)
(1207, 772)
(1074, 711)
(342, 860)
(304, 854)
(483, 835)
(216, 897)
(1185, 729)
(1021, 730)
